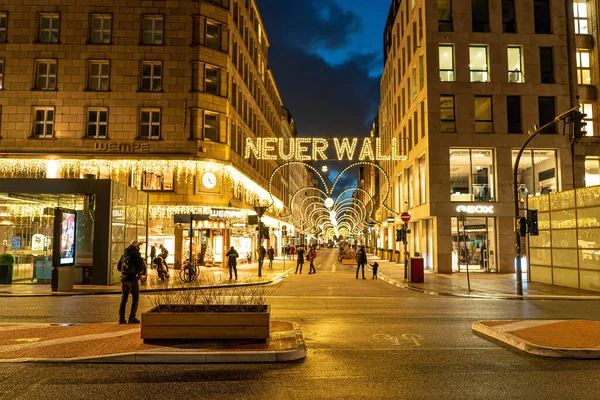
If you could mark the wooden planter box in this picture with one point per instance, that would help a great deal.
(350, 261)
(206, 325)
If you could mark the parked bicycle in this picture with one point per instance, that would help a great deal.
(189, 272)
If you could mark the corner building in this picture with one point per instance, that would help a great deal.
(463, 83)
(157, 95)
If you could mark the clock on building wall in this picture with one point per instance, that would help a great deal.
(209, 180)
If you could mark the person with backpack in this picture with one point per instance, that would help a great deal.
(132, 267)
(232, 256)
(312, 254)
(271, 255)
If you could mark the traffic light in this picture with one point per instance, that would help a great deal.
(579, 125)
(532, 222)
(400, 235)
(522, 226)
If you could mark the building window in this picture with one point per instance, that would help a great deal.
(1, 73)
(152, 29)
(546, 112)
(45, 75)
(447, 114)
(444, 15)
(97, 123)
(410, 187)
(150, 123)
(580, 12)
(513, 114)
(592, 171)
(446, 63)
(584, 69)
(151, 76)
(478, 64)
(483, 114)
(3, 26)
(413, 83)
(480, 15)
(515, 65)
(205, 125)
(422, 181)
(100, 29)
(43, 126)
(508, 16)
(588, 110)
(157, 181)
(546, 65)
(421, 73)
(99, 73)
(472, 175)
(213, 35)
(537, 171)
(206, 78)
(542, 20)
(49, 28)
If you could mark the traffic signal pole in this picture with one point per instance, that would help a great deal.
(516, 193)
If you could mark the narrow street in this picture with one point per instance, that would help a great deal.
(366, 339)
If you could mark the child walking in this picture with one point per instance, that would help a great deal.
(375, 266)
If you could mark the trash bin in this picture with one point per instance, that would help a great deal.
(65, 279)
(416, 270)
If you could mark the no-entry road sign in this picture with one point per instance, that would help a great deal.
(405, 216)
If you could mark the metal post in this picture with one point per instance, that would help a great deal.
(463, 218)
(191, 234)
(405, 227)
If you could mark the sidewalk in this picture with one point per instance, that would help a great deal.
(216, 276)
(113, 343)
(548, 338)
(483, 285)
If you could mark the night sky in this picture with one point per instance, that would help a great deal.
(327, 59)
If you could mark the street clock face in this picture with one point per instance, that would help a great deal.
(209, 180)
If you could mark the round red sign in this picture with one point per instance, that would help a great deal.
(405, 216)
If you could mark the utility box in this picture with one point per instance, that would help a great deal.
(417, 273)
(65, 279)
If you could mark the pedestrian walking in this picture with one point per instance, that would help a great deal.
(312, 254)
(271, 255)
(300, 261)
(132, 267)
(375, 267)
(232, 256)
(361, 260)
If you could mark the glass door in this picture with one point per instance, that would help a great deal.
(473, 244)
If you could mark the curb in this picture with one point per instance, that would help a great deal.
(276, 279)
(180, 357)
(531, 348)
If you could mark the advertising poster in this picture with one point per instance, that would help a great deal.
(67, 237)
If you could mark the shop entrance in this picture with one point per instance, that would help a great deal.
(474, 244)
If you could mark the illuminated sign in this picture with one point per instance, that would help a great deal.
(475, 209)
(222, 213)
(316, 149)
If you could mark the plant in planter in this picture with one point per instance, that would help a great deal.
(209, 311)
(6, 268)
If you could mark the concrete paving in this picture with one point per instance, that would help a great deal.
(549, 338)
(116, 344)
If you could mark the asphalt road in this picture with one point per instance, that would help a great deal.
(366, 340)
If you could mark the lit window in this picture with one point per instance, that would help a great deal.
(97, 123)
(483, 114)
(588, 110)
(43, 125)
(151, 76)
(478, 64)
(153, 29)
(3, 26)
(49, 28)
(100, 29)
(515, 65)
(446, 63)
(157, 181)
(422, 180)
(45, 75)
(537, 171)
(580, 13)
(99, 72)
(444, 15)
(150, 123)
(584, 69)
(447, 113)
(472, 175)
(592, 171)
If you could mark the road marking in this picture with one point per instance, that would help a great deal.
(407, 339)
(334, 267)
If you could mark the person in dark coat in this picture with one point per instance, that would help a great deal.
(152, 253)
(300, 259)
(361, 260)
(375, 267)
(271, 255)
(232, 256)
(312, 254)
(132, 267)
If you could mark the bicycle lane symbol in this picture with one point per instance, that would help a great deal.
(407, 339)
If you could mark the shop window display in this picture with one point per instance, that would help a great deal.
(537, 171)
(472, 175)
